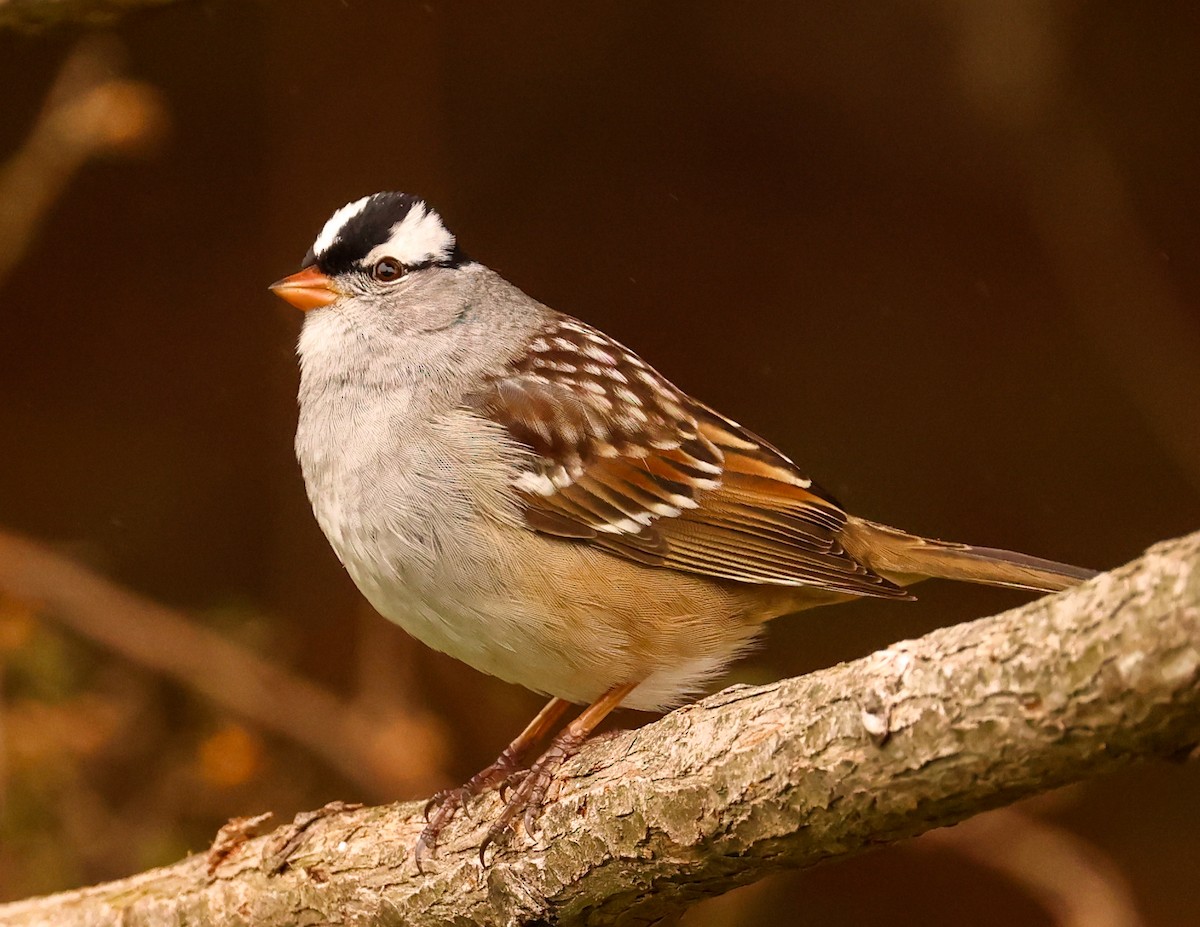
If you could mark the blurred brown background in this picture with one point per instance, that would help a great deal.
(944, 254)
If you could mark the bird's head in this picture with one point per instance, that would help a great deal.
(386, 261)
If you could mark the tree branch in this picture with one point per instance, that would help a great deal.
(88, 112)
(749, 781)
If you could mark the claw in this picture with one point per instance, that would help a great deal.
(419, 851)
(464, 805)
(530, 818)
(512, 781)
(489, 838)
(436, 799)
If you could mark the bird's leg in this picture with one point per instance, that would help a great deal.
(510, 761)
(529, 796)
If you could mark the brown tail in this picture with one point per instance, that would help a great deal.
(905, 558)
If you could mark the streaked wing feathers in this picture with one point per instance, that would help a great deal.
(623, 459)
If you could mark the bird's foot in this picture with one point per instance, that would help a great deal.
(529, 787)
(444, 805)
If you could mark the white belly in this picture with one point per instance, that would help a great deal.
(418, 533)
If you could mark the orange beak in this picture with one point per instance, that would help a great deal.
(308, 289)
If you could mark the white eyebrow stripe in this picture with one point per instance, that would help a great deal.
(330, 230)
(417, 238)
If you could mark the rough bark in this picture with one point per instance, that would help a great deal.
(749, 781)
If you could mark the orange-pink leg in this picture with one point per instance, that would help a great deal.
(510, 761)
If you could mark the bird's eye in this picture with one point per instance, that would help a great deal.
(387, 270)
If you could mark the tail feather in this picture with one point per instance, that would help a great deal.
(905, 558)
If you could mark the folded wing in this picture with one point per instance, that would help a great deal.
(622, 459)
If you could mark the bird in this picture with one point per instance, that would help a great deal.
(519, 490)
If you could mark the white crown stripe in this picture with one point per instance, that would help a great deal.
(337, 222)
(420, 237)
(417, 238)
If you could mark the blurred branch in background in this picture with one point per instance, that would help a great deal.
(1071, 878)
(747, 782)
(88, 113)
(35, 14)
(396, 752)
(1014, 72)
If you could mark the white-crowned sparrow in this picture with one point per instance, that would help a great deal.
(518, 490)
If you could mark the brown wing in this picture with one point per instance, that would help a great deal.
(624, 460)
